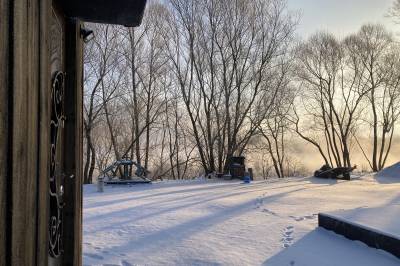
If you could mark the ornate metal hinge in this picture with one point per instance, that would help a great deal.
(56, 189)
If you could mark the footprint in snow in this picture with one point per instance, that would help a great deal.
(287, 237)
(270, 212)
(302, 218)
(297, 219)
(259, 202)
(310, 217)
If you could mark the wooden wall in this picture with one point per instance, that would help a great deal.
(24, 135)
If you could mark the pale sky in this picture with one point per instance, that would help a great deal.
(341, 17)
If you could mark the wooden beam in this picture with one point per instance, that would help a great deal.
(4, 89)
(73, 145)
(44, 135)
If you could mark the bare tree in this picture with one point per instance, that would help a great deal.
(331, 79)
(225, 55)
(204, 80)
(341, 81)
(394, 11)
(99, 63)
(276, 125)
(374, 50)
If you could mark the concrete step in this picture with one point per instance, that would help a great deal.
(377, 227)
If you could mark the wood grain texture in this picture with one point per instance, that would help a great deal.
(24, 131)
(25, 81)
(73, 145)
(44, 136)
(4, 87)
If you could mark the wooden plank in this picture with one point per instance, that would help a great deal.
(24, 131)
(73, 145)
(19, 152)
(33, 128)
(4, 7)
(44, 136)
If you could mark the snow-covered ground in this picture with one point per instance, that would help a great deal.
(229, 223)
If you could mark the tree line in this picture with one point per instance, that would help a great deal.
(201, 81)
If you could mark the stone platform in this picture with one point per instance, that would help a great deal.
(377, 227)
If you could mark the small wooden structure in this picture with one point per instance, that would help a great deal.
(41, 124)
(237, 167)
(125, 179)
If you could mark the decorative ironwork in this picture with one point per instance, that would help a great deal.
(56, 177)
(56, 43)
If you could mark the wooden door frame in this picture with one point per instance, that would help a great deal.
(73, 143)
(25, 89)
(4, 76)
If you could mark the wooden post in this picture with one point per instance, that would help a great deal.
(73, 145)
(4, 87)
(44, 135)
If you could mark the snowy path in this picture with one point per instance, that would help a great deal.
(229, 223)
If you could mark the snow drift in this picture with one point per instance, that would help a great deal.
(391, 171)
